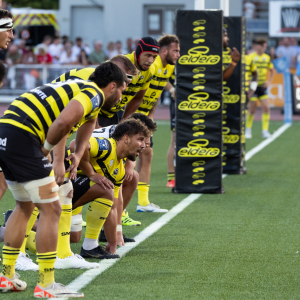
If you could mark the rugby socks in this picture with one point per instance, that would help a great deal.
(249, 122)
(30, 224)
(171, 176)
(64, 227)
(95, 218)
(265, 119)
(46, 268)
(30, 245)
(143, 193)
(10, 256)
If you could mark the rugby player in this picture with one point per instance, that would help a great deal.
(250, 77)
(164, 68)
(263, 63)
(105, 158)
(38, 120)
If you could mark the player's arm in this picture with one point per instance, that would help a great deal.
(171, 89)
(87, 168)
(58, 160)
(253, 84)
(134, 104)
(235, 57)
(270, 79)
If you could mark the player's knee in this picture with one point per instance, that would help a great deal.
(147, 154)
(65, 193)
(109, 194)
(76, 224)
(135, 179)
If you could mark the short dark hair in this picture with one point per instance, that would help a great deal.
(47, 37)
(5, 14)
(167, 39)
(130, 127)
(261, 41)
(150, 124)
(108, 72)
(126, 63)
(2, 72)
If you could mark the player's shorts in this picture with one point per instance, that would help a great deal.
(21, 157)
(260, 93)
(81, 184)
(172, 115)
(105, 121)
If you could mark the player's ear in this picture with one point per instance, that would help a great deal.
(113, 86)
(126, 139)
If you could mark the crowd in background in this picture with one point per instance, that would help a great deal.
(62, 51)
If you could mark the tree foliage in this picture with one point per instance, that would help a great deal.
(45, 4)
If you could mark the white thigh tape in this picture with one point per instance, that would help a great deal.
(63, 192)
(18, 191)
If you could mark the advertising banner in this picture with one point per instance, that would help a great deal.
(284, 18)
(234, 100)
(199, 102)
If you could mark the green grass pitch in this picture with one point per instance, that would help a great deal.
(243, 244)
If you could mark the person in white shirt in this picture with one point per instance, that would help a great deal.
(79, 45)
(68, 57)
(118, 50)
(55, 50)
(287, 51)
(46, 42)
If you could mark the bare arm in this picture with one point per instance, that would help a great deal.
(235, 56)
(153, 109)
(270, 79)
(134, 104)
(58, 160)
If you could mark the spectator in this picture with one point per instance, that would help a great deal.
(65, 39)
(272, 53)
(46, 42)
(29, 58)
(118, 49)
(44, 57)
(6, 6)
(110, 50)
(129, 47)
(79, 45)
(68, 57)
(83, 58)
(55, 50)
(136, 41)
(288, 52)
(22, 47)
(249, 10)
(98, 55)
(13, 56)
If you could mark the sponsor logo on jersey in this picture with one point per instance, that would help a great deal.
(95, 102)
(165, 72)
(40, 93)
(102, 144)
(111, 162)
(116, 171)
(159, 70)
(47, 165)
(141, 78)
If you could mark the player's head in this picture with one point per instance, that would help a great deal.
(261, 45)
(225, 38)
(169, 48)
(131, 135)
(2, 74)
(6, 28)
(149, 123)
(126, 65)
(145, 53)
(111, 79)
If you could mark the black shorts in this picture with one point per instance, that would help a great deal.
(105, 121)
(172, 115)
(21, 157)
(81, 184)
(260, 93)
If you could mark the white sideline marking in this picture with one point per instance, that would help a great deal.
(85, 278)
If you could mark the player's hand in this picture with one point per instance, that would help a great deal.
(59, 172)
(235, 55)
(46, 152)
(129, 168)
(102, 181)
(120, 240)
(250, 93)
(111, 248)
(74, 164)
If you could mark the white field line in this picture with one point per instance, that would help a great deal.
(84, 279)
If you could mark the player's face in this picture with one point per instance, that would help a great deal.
(5, 38)
(146, 60)
(225, 40)
(264, 47)
(173, 54)
(135, 146)
(115, 96)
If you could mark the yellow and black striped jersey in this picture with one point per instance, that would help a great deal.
(103, 158)
(263, 63)
(157, 84)
(37, 109)
(249, 69)
(83, 74)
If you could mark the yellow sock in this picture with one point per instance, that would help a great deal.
(46, 268)
(10, 256)
(171, 176)
(143, 193)
(64, 227)
(96, 216)
(30, 224)
(30, 245)
(265, 119)
(249, 122)
(124, 213)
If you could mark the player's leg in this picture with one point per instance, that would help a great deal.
(144, 170)
(265, 118)
(250, 117)
(3, 184)
(170, 161)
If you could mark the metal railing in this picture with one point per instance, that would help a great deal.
(22, 78)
